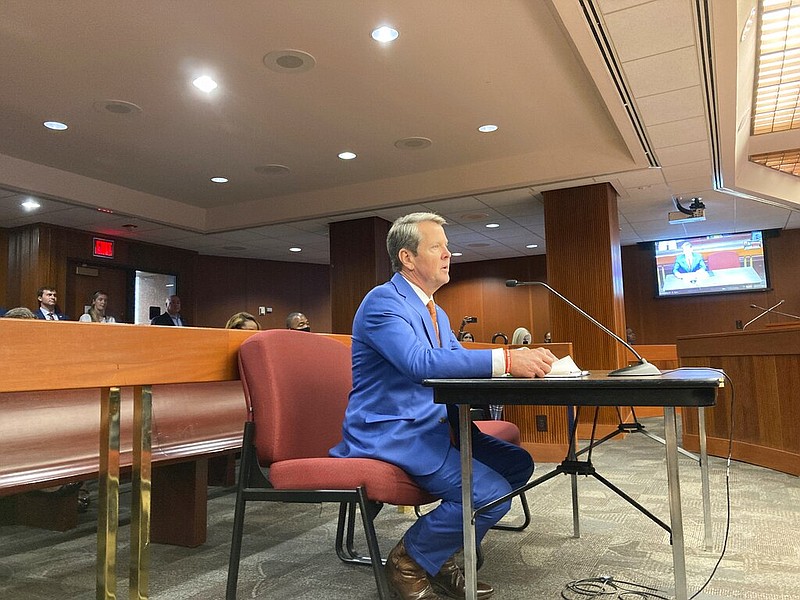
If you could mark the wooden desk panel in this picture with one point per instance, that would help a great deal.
(764, 366)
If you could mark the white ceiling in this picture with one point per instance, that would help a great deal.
(583, 91)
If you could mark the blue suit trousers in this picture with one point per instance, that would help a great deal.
(497, 466)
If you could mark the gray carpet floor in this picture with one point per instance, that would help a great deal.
(288, 549)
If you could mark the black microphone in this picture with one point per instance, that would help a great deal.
(643, 368)
(765, 311)
(777, 312)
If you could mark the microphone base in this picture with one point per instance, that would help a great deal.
(642, 369)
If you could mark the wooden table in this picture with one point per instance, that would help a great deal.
(678, 388)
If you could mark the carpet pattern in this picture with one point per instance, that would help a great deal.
(288, 549)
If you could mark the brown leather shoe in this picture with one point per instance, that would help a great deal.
(407, 580)
(450, 581)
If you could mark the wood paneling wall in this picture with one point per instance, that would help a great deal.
(478, 289)
(228, 285)
(359, 262)
(4, 268)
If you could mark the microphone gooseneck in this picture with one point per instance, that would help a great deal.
(765, 311)
(777, 312)
(643, 368)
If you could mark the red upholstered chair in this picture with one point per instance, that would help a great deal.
(727, 259)
(296, 386)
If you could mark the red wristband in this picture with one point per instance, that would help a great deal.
(507, 354)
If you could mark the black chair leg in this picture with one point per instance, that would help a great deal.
(368, 512)
(246, 463)
(526, 511)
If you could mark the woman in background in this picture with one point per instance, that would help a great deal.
(97, 311)
(243, 320)
(521, 336)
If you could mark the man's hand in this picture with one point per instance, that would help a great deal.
(531, 362)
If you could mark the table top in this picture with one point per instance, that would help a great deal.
(719, 278)
(679, 387)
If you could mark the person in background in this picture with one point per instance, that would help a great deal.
(521, 336)
(243, 320)
(173, 314)
(97, 310)
(400, 337)
(548, 338)
(467, 337)
(630, 334)
(19, 313)
(48, 309)
(298, 321)
(690, 265)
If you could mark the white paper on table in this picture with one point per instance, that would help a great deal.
(566, 367)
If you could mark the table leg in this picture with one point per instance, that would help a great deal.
(675, 515)
(701, 420)
(572, 455)
(470, 550)
(108, 495)
(140, 502)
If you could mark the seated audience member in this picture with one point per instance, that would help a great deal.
(521, 336)
(97, 310)
(548, 338)
(172, 316)
(298, 321)
(690, 265)
(630, 335)
(467, 337)
(48, 309)
(242, 320)
(19, 313)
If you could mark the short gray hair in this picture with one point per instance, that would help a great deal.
(404, 234)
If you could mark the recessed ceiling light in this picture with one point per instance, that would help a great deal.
(219, 179)
(384, 34)
(456, 254)
(532, 246)
(295, 249)
(205, 84)
(347, 155)
(492, 225)
(30, 204)
(487, 128)
(106, 210)
(55, 125)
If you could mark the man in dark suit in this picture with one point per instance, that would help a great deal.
(400, 337)
(173, 314)
(48, 309)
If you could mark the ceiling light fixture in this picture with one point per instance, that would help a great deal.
(492, 225)
(456, 254)
(488, 128)
(295, 249)
(532, 246)
(205, 84)
(55, 125)
(30, 204)
(384, 34)
(347, 155)
(108, 211)
(219, 179)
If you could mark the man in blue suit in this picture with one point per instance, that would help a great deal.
(48, 309)
(400, 337)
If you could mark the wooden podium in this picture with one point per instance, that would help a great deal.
(764, 365)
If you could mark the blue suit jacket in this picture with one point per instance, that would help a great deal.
(40, 315)
(681, 266)
(391, 415)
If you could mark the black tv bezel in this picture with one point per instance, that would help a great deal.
(765, 235)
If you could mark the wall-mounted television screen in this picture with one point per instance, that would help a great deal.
(711, 264)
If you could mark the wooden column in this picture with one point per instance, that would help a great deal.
(359, 262)
(583, 263)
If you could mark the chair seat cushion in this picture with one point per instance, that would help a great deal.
(503, 430)
(384, 482)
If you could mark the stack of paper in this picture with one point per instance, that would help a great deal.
(566, 367)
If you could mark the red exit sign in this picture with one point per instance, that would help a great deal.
(103, 248)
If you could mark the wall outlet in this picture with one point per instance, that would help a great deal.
(739, 324)
(262, 310)
(541, 422)
(269, 309)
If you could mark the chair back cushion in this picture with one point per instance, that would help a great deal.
(297, 385)
(727, 259)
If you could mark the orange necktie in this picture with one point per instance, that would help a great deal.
(432, 309)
